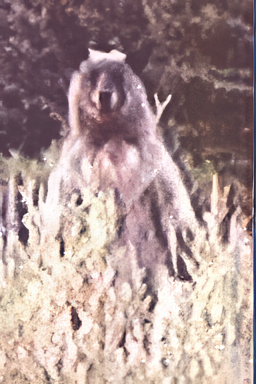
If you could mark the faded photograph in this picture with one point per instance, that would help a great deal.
(126, 192)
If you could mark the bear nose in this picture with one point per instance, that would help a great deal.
(107, 101)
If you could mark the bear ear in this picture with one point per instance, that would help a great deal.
(114, 55)
(117, 56)
(97, 56)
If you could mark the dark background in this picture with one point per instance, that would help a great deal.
(198, 50)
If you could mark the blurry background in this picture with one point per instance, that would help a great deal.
(200, 51)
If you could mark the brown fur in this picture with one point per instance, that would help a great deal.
(113, 143)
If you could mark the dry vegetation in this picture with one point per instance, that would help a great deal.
(67, 316)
